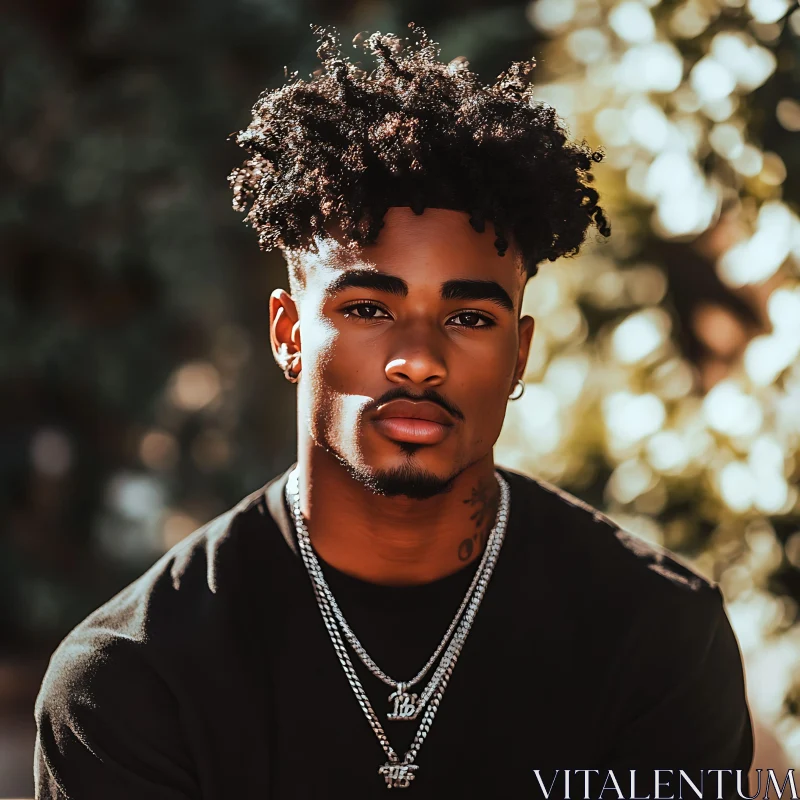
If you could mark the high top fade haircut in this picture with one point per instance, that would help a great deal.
(344, 147)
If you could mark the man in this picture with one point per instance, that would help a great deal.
(395, 611)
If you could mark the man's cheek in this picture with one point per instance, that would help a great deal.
(350, 369)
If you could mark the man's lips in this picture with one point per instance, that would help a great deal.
(414, 409)
(418, 421)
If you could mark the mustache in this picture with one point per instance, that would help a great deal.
(400, 392)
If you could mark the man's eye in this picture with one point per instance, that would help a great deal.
(365, 311)
(472, 319)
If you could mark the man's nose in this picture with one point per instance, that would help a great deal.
(417, 359)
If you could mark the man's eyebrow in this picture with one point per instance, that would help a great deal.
(465, 289)
(368, 279)
(457, 289)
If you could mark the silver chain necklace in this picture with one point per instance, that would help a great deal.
(399, 774)
(405, 706)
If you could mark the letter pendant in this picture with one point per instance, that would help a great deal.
(405, 705)
(398, 775)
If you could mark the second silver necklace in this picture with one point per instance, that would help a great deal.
(405, 705)
(399, 773)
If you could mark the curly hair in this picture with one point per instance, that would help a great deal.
(347, 145)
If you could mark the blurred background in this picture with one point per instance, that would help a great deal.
(138, 396)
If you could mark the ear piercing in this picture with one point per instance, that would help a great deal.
(519, 390)
(289, 364)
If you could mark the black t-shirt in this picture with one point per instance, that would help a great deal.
(213, 677)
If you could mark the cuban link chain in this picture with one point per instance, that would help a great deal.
(405, 705)
(399, 774)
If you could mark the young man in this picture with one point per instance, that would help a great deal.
(395, 611)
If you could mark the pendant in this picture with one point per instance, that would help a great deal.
(405, 704)
(398, 775)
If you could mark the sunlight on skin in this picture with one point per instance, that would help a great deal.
(362, 345)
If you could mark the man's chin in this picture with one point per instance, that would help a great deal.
(408, 479)
(413, 483)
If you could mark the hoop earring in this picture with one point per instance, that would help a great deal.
(289, 373)
(521, 387)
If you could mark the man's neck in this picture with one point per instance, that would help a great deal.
(395, 540)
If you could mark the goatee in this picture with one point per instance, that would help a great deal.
(407, 480)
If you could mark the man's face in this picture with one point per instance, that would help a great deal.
(430, 312)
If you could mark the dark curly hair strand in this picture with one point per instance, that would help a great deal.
(347, 145)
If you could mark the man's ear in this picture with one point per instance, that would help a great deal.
(284, 328)
(526, 326)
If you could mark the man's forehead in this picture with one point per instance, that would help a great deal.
(338, 269)
(330, 257)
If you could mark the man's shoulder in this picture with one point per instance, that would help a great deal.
(188, 588)
(590, 549)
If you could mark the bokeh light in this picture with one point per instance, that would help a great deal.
(713, 439)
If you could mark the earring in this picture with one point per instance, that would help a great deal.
(515, 395)
(289, 373)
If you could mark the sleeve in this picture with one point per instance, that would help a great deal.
(690, 709)
(108, 726)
